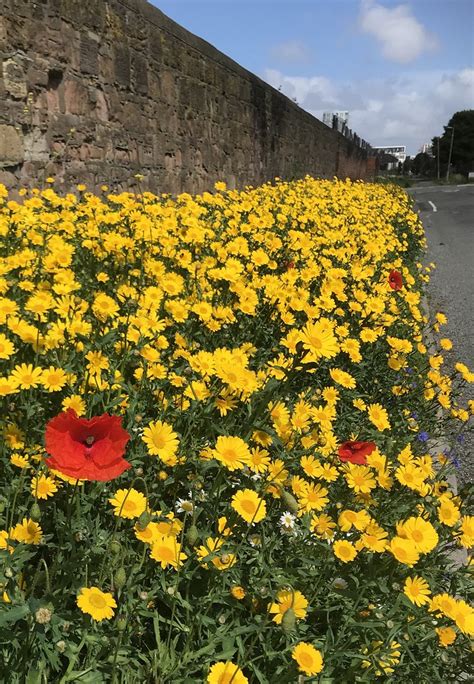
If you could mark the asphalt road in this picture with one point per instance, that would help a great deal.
(448, 217)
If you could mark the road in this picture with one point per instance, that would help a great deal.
(447, 213)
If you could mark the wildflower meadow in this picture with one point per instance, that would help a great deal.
(224, 454)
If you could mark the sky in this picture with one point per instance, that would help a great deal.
(401, 69)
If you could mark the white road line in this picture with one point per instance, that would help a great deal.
(433, 206)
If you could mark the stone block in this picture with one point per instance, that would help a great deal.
(12, 151)
(8, 179)
(89, 54)
(140, 75)
(76, 99)
(14, 78)
(122, 65)
(36, 146)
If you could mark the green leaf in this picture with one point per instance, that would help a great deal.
(12, 615)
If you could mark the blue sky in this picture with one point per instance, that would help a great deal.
(400, 68)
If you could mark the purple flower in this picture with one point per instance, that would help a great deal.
(453, 458)
(423, 436)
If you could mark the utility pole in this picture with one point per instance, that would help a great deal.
(450, 151)
(437, 155)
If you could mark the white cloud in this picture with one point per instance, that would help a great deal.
(407, 110)
(317, 91)
(401, 36)
(291, 51)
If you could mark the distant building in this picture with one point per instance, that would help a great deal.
(427, 148)
(341, 119)
(399, 152)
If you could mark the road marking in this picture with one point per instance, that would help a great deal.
(433, 206)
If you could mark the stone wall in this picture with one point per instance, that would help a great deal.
(95, 91)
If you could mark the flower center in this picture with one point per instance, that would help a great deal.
(97, 601)
(248, 506)
(305, 659)
(89, 440)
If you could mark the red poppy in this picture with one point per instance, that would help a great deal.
(356, 452)
(395, 280)
(87, 449)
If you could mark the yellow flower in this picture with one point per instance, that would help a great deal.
(19, 460)
(467, 529)
(7, 348)
(344, 550)
(237, 592)
(288, 599)
(446, 343)
(8, 386)
(27, 531)
(4, 536)
(404, 551)
(166, 550)
(319, 340)
(104, 307)
(360, 478)
(233, 452)
(27, 376)
(313, 497)
(378, 416)
(443, 603)
(226, 673)
(249, 505)
(446, 636)
(463, 616)
(76, 403)
(349, 518)
(42, 486)
(53, 379)
(161, 441)
(374, 538)
(149, 534)
(96, 603)
(128, 503)
(417, 590)
(448, 512)
(342, 378)
(323, 526)
(421, 533)
(309, 659)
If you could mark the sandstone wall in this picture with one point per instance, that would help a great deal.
(95, 91)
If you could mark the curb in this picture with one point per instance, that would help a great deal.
(457, 556)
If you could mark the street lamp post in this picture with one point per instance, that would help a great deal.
(450, 151)
(437, 155)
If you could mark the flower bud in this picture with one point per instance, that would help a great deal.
(143, 520)
(43, 615)
(290, 501)
(121, 624)
(120, 578)
(35, 512)
(192, 535)
(288, 621)
(115, 547)
(61, 646)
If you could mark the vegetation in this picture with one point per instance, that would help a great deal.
(220, 457)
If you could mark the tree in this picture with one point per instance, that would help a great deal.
(462, 157)
(423, 165)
